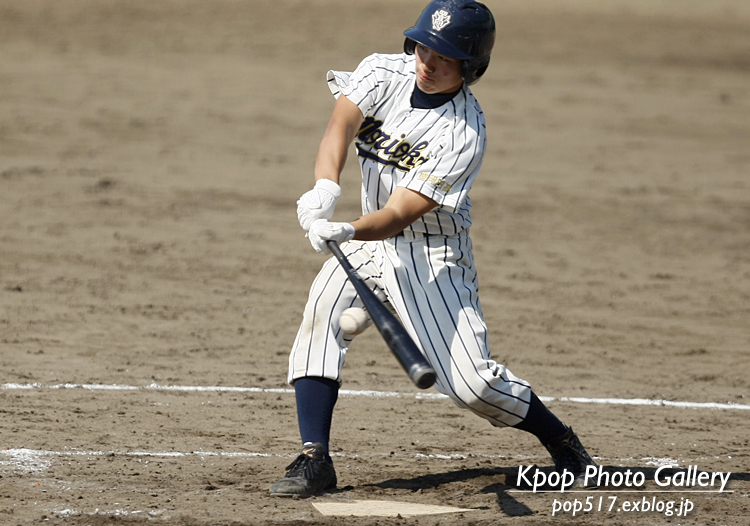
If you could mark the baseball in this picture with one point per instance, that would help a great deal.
(354, 320)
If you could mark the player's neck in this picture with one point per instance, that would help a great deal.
(428, 101)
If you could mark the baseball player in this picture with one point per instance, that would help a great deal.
(419, 136)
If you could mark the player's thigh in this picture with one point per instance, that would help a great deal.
(332, 292)
(434, 284)
(320, 346)
(439, 305)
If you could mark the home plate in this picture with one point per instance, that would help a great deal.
(381, 508)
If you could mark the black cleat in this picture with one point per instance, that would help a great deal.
(568, 454)
(310, 473)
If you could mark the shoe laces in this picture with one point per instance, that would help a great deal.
(302, 465)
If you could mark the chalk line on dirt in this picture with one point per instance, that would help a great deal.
(373, 394)
(27, 460)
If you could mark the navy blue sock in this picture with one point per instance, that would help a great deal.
(315, 400)
(541, 422)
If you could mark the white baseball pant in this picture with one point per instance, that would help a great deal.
(431, 283)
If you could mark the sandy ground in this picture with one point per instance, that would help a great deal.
(150, 157)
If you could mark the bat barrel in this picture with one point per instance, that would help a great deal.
(422, 375)
(406, 351)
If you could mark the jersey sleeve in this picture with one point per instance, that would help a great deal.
(367, 84)
(447, 175)
(337, 79)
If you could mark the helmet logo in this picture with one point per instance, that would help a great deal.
(440, 19)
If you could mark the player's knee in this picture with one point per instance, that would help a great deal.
(472, 396)
(469, 397)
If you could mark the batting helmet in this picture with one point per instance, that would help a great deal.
(461, 29)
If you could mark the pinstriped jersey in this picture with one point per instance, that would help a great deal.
(436, 152)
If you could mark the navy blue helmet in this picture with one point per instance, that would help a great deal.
(461, 29)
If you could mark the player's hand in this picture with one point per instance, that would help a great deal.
(322, 230)
(318, 203)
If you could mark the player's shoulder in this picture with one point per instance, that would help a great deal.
(470, 98)
(389, 63)
(471, 104)
(466, 106)
(467, 118)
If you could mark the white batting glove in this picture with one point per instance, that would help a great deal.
(318, 203)
(322, 230)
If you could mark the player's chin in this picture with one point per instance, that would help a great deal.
(426, 85)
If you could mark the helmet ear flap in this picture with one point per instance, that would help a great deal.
(409, 46)
(472, 70)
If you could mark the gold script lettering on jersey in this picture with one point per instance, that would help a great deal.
(375, 144)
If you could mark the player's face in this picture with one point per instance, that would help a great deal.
(435, 72)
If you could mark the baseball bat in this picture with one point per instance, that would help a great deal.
(396, 338)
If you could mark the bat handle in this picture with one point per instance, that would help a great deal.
(335, 249)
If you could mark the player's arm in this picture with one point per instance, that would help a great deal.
(342, 127)
(320, 202)
(403, 208)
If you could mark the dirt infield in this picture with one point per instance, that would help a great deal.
(151, 154)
